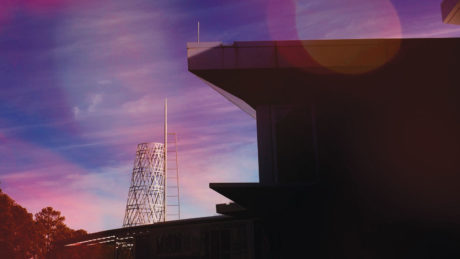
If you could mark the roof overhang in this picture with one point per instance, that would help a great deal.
(250, 74)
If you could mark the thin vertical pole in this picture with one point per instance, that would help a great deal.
(198, 35)
(177, 177)
(166, 160)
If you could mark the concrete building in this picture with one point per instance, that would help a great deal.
(358, 143)
(212, 237)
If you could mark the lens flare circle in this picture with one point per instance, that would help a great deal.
(334, 19)
(357, 19)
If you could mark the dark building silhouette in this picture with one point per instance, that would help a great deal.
(359, 146)
(358, 143)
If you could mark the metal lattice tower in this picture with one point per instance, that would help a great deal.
(146, 197)
(154, 192)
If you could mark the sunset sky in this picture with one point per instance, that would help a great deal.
(83, 82)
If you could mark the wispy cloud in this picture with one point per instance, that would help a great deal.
(83, 82)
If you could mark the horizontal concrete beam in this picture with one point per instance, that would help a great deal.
(346, 54)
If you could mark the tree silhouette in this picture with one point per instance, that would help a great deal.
(51, 229)
(22, 237)
(50, 225)
(16, 229)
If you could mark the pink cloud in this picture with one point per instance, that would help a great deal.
(5, 13)
(95, 200)
(126, 49)
(47, 6)
(63, 185)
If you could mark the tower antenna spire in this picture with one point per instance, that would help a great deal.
(166, 158)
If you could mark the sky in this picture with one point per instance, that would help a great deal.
(83, 82)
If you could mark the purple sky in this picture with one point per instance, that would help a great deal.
(83, 82)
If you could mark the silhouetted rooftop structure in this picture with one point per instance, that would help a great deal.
(358, 145)
(358, 142)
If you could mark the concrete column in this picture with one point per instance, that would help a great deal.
(266, 145)
(287, 144)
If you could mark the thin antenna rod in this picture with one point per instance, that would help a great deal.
(198, 35)
(166, 158)
(177, 177)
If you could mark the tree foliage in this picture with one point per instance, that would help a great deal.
(23, 237)
(16, 225)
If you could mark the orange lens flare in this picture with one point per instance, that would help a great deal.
(302, 20)
(376, 19)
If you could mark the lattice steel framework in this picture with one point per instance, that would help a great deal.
(146, 198)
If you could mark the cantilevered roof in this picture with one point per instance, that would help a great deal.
(255, 73)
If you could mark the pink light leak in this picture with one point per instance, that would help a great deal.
(5, 13)
(46, 4)
(58, 183)
(281, 19)
(89, 200)
(117, 49)
(44, 7)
